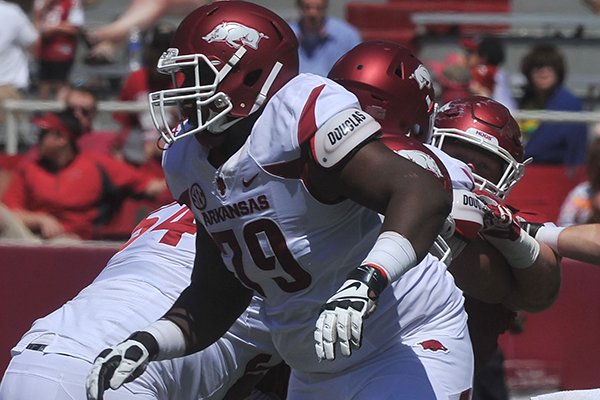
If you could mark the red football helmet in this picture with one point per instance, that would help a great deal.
(391, 84)
(485, 123)
(234, 55)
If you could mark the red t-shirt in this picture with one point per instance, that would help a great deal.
(74, 194)
(58, 46)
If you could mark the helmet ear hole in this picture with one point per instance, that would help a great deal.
(252, 77)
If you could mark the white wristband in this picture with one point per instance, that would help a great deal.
(549, 235)
(393, 253)
(520, 253)
(170, 339)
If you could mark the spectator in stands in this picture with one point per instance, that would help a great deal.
(64, 193)
(544, 68)
(59, 23)
(136, 87)
(323, 39)
(17, 38)
(82, 102)
(453, 77)
(582, 204)
(485, 56)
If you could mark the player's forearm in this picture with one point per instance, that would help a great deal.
(31, 219)
(580, 242)
(481, 272)
(413, 201)
(418, 215)
(141, 14)
(204, 325)
(536, 287)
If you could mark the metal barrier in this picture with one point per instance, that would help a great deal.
(14, 107)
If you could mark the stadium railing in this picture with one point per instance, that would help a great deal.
(18, 109)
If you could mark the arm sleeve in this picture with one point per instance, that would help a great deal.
(27, 33)
(76, 15)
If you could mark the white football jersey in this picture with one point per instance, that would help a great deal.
(292, 248)
(139, 284)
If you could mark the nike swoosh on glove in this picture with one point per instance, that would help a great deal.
(341, 318)
(120, 364)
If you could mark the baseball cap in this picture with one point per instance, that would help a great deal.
(52, 122)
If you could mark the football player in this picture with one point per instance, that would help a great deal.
(286, 178)
(378, 72)
(139, 283)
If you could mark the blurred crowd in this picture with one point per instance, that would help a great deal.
(42, 40)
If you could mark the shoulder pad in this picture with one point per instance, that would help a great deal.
(340, 135)
(467, 212)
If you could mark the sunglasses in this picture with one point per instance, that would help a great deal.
(85, 111)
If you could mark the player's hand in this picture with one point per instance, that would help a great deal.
(341, 318)
(502, 229)
(498, 220)
(50, 226)
(119, 364)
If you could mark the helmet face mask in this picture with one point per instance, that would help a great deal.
(487, 126)
(391, 84)
(194, 98)
(234, 56)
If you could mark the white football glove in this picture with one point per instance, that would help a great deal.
(502, 229)
(119, 364)
(341, 318)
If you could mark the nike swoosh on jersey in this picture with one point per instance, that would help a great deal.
(248, 182)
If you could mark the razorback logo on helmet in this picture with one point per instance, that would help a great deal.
(423, 160)
(433, 345)
(422, 76)
(235, 35)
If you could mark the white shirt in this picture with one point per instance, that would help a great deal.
(17, 33)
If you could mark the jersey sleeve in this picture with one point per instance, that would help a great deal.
(295, 114)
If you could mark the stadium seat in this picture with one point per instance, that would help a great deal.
(544, 187)
(374, 18)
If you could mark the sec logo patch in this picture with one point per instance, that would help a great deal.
(197, 196)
